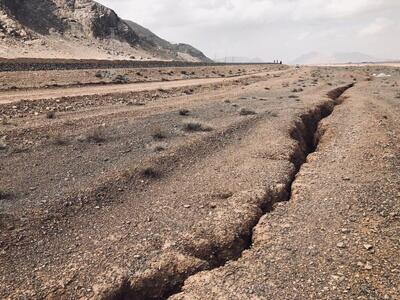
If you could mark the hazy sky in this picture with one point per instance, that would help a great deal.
(270, 29)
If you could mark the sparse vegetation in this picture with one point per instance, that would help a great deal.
(3, 144)
(297, 90)
(4, 194)
(159, 134)
(272, 114)
(99, 74)
(96, 135)
(246, 112)
(150, 172)
(159, 148)
(5, 121)
(51, 114)
(184, 112)
(121, 79)
(194, 126)
(59, 139)
(69, 123)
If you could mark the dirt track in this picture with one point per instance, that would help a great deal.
(274, 186)
(15, 96)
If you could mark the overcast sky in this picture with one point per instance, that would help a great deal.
(270, 29)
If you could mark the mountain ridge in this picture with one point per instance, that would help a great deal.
(76, 29)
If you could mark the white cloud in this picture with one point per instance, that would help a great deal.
(262, 27)
(374, 28)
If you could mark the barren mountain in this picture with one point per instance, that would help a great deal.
(75, 29)
(165, 48)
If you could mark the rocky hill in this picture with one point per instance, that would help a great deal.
(179, 51)
(77, 29)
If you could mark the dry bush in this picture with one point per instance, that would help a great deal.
(51, 114)
(150, 172)
(184, 112)
(96, 135)
(159, 148)
(159, 134)
(4, 194)
(5, 121)
(246, 112)
(59, 140)
(193, 126)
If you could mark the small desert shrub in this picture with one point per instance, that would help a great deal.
(5, 121)
(193, 126)
(159, 148)
(159, 134)
(96, 135)
(121, 79)
(150, 172)
(4, 194)
(69, 123)
(184, 112)
(273, 114)
(99, 74)
(51, 114)
(59, 139)
(246, 112)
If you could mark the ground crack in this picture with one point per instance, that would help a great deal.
(162, 284)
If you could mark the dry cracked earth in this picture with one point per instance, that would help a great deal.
(235, 182)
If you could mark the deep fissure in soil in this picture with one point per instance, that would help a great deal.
(305, 133)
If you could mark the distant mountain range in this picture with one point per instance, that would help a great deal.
(80, 29)
(314, 58)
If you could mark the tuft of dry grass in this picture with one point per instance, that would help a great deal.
(150, 172)
(96, 135)
(246, 112)
(3, 144)
(5, 121)
(184, 112)
(159, 148)
(159, 134)
(4, 194)
(51, 114)
(59, 139)
(193, 126)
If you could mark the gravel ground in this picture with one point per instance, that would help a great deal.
(186, 195)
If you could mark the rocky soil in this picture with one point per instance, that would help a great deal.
(281, 184)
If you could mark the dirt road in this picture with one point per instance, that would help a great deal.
(279, 187)
(7, 97)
